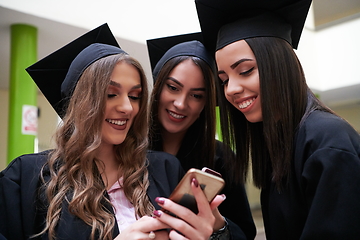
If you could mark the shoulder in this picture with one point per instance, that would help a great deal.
(221, 148)
(21, 178)
(222, 151)
(162, 163)
(320, 120)
(26, 165)
(323, 129)
(162, 158)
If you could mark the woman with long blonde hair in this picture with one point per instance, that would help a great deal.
(99, 182)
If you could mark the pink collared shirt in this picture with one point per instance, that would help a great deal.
(124, 210)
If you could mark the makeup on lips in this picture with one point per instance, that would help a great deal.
(245, 104)
(118, 124)
(175, 117)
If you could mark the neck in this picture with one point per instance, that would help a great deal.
(172, 141)
(109, 168)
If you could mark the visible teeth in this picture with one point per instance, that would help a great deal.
(246, 103)
(116, 122)
(176, 115)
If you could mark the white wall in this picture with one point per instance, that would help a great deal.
(134, 20)
(330, 57)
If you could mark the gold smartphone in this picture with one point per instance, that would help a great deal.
(209, 180)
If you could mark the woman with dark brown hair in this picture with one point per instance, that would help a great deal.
(183, 123)
(99, 182)
(304, 158)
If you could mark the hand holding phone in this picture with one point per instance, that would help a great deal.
(210, 182)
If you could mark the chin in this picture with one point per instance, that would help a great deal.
(173, 131)
(118, 141)
(254, 119)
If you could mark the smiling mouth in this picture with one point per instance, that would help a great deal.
(177, 116)
(246, 103)
(116, 122)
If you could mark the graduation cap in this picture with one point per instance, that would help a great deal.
(161, 50)
(226, 21)
(57, 74)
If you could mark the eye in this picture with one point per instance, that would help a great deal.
(171, 87)
(111, 95)
(223, 77)
(197, 96)
(224, 83)
(247, 72)
(135, 97)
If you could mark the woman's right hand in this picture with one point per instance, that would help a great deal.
(190, 225)
(145, 228)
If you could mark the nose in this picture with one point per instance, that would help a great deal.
(124, 105)
(180, 101)
(233, 87)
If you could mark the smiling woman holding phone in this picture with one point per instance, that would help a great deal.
(183, 123)
(99, 182)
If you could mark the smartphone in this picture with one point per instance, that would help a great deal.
(209, 180)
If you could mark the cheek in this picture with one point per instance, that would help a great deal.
(136, 108)
(256, 83)
(107, 108)
(162, 97)
(199, 108)
(227, 97)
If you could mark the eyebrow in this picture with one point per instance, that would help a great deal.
(118, 85)
(115, 84)
(234, 65)
(182, 85)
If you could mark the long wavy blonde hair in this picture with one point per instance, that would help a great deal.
(72, 166)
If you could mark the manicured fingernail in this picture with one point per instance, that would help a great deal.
(224, 196)
(160, 200)
(157, 213)
(196, 183)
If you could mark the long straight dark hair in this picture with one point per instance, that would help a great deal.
(285, 101)
(198, 146)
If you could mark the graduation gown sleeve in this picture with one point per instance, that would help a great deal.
(327, 168)
(165, 172)
(21, 216)
(18, 188)
(322, 199)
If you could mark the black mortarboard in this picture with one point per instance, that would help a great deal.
(225, 21)
(57, 74)
(161, 50)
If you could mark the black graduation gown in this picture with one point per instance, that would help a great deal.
(20, 216)
(236, 207)
(322, 199)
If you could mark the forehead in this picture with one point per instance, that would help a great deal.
(233, 52)
(240, 46)
(124, 69)
(188, 73)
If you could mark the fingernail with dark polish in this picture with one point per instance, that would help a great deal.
(157, 213)
(196, 183)
(160, 200)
